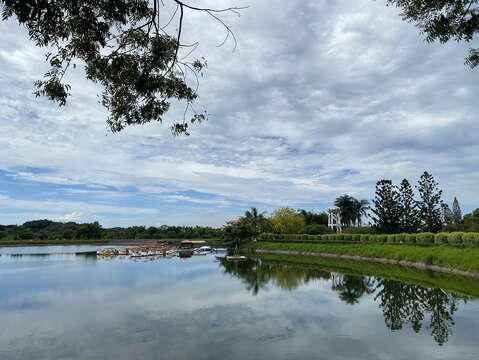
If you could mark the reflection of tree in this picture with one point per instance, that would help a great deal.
(249, 272)
(351, 288)
(256, 274)
(403, 303)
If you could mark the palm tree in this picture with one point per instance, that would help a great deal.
(348, 206)
(254, 218)
(352, 209)
(362, 210)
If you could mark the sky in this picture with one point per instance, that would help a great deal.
(319, 99)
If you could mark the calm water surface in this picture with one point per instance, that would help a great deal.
(65, 305)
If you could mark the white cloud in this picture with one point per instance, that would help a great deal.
(320, 99)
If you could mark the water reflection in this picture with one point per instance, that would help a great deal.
(401, 303)
(74, 306)
(411, 304)
(85, 256)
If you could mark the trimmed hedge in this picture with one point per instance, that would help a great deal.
(455, 238)
(427, 238)
(469, 239)
(391, 239)
(441, 238)
(364, 237)
(400, 238)
(381, 238)
(410, 238)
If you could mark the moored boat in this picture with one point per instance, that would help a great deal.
(236, 258)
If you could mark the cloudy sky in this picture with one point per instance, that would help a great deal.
(320, 98)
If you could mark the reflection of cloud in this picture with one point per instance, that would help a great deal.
(123, 310)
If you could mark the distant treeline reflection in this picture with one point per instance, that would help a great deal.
(402, 304)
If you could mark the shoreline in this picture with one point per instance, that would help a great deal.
(359, 258)
(78, 243)
(100, 242)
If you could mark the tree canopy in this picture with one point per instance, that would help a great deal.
(125, 47)
(287, 221)
(444, 20)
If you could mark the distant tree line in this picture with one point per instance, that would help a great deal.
(282, 221)
(395, 209)
(51, 230)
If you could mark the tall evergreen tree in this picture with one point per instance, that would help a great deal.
(456, 212)
(430, 203)
(387, 209)
(447, 216)
(409, 215)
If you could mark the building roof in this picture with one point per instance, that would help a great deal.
(233, 222)
(193, 242)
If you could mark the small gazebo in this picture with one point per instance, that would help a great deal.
(334, 218)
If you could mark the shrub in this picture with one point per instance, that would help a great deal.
(317, 229)
(455, 238)
(339, 237)
(347, 237)
(410, 238)
(391, 239)
(469, 239)
(381, 238)
(364, 237)
(356, 237)
(359, 230)
(400, 238)
(441, 238)
(425, 238)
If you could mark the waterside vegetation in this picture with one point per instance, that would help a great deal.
(52, 232)
(464, 259)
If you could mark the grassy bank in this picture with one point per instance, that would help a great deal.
(465, 259)
(458, 285)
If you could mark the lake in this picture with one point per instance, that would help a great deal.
(56, 303)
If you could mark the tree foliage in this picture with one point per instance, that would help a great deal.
(471, 221)
(408, 212)
(444, 20)
(387, 210)
(254, 220)
(429, 204)
(312, 218)
(52, 230)
(456, 212)
(125, 47)
(352, 210)
(447, 217)
(287, 221)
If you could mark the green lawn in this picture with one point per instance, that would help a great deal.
(466, 259)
